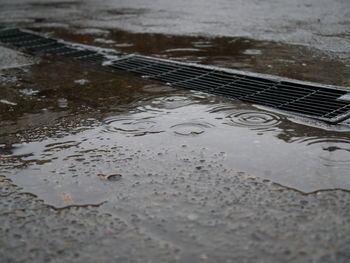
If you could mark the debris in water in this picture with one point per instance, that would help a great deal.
(112, 177)
(67, 198)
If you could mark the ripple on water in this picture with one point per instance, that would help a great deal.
(171, 102)
(335, 151)
(191, 128)
(131, 126)
(259, 120)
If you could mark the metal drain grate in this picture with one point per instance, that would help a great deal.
(37, 44)
(315, 101)
(327, 103)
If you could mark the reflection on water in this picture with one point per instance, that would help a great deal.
(63, 137)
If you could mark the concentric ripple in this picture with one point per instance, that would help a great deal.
(333, 151)
(134, 127)
(191, 128)
(252, 119)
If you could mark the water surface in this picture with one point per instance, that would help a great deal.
(70, 128)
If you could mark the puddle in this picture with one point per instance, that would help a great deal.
(138, 144)
(74, 134)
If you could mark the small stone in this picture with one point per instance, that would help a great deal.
(114, 177)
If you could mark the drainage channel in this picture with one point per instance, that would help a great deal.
(327, 103)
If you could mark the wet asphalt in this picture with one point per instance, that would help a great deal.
(99, 166)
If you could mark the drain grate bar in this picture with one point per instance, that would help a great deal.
(327, 103)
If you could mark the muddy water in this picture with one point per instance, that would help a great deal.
(68, 130)
(266, 57)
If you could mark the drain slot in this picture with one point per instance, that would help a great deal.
(327, 103)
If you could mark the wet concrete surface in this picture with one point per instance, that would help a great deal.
(319, 24)
(100, 166)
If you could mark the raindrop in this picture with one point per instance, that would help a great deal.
(333, 151)
(171, 102)
(252, 119)
(191, 128)
(135, 127)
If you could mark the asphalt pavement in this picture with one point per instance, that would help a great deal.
(99, 166)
